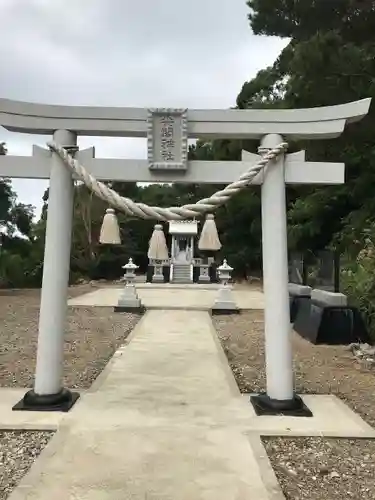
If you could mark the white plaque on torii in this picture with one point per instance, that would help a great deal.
(167, 142)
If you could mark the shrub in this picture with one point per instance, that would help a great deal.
(358, 282)
(17, 271)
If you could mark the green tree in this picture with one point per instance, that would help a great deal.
(20, 262)
(329, 60)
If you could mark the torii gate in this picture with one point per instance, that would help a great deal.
(168, 163)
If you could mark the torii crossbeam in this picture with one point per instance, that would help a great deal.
(271, 127)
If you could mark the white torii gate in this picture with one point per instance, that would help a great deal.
(271, 127)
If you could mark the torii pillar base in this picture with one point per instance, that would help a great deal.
(264, 405)
(63, 401)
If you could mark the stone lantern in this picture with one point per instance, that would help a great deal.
(225, 303)
(129, 300)
(224, 273)
(129, 275)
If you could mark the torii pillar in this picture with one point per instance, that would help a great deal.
(280, 397)
(53, 304)
(279, 363)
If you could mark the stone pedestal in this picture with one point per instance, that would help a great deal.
(204, 274)
(328, 319)
(224, 302)
(129, 300)
(298, 294)
(158, 274)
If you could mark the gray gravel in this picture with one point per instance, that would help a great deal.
(18, 450)
(319, 369)
(323, 469)
(92, 337)
(309, 468)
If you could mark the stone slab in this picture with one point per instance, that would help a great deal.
(330, 299)
(167, 298)
(299, 290)
(162, 464)
(178, 286)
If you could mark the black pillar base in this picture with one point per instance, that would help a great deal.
(62, 401)
(224, 312)
(123, 309)
(264, 405)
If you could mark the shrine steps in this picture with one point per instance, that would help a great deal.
(182, 273)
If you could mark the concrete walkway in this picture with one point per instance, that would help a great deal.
(163, 423)
(166, 421)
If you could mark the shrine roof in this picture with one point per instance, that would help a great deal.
(183, 227)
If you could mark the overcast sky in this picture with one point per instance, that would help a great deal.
(177, 53)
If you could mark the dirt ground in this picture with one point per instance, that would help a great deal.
(309, 468)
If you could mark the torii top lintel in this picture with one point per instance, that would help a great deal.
(314, 123)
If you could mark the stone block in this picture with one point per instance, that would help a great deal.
(299, 290)
(331, 299)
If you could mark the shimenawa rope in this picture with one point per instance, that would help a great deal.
(163, 214)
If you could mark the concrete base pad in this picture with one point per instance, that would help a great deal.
(331, 417)
(157, 278)
(178, 286)
(25, 420)
(167, 296)
(204, 279)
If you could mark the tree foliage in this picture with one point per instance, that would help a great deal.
(20, 252)
(330, 59)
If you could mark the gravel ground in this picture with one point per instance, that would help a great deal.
(92, 337)
(314, 469)
(319, 370)
(18, 450)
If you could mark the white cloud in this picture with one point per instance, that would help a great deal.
(124, 53)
